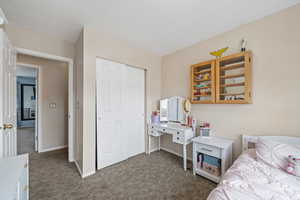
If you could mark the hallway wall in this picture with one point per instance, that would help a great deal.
(54, 85)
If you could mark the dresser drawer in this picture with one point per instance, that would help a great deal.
(209, 150)
(176, 132)
(162, 129)
(179, 139)
(153, 132)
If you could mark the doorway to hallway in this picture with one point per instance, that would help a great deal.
(26, 78)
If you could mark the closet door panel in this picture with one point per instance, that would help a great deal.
(135, 94)
(110, 146)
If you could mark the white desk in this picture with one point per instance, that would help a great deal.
(180, 135)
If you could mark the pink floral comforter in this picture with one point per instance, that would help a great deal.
(249, 179)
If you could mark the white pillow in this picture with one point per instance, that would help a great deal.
(275, 153)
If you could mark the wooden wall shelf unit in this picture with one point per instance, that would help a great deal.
(203, 82)
(226, 80)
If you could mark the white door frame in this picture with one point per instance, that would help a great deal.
(71, 127)
(38, 107)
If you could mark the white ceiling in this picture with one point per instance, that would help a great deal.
(161, 26)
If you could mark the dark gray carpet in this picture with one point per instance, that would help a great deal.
(158, 176)
(25, 140)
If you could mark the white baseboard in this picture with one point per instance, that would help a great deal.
(152, 150)
(53, 148)
(80, 172)
(88, 174)
(175, 153)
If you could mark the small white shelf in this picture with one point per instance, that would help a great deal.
(216, 147)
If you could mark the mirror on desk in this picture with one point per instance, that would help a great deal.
(172, 109)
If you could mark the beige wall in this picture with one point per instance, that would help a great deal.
(78, 93)
(97, 44)
(275, 42)
(27, 39)
(54, 85)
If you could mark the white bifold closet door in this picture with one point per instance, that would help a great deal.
(120, 112)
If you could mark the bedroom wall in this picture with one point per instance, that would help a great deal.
(54, 86)
(28, 39)
(99, 44)
(275, 42)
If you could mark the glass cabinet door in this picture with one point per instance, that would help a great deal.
(233, 79)
(203, 82)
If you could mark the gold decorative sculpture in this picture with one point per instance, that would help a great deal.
(219, 52)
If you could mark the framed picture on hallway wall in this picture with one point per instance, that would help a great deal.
(28, 101)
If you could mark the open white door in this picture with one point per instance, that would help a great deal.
(8, 131)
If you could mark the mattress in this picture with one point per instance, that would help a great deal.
(249, 179)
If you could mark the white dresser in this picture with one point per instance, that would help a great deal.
(215, 147)
(180, 135)
(14, 182)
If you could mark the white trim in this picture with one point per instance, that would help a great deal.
(170, 151)
(78, 168)
(53, 148)
(38, 119)
(80, 172)
(4, 19)
(70, 91)
(88, 174)
(153, 150)
(173, 152)
(43, 55)
(27, 65)
(40, 110)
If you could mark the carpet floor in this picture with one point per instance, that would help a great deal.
(25, 140)
(158, 176)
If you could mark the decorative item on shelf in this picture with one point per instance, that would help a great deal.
(211, 165)
(199, 160)
(194, 124)
(155, 117)
(189, 119)
(187, 106)
(202, 85)
(204, 129)
(199, 77)
(229, 98)
(206, 76)
(243, 45)
(219, 52)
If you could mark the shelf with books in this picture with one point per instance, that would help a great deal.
(202, 82)
(233, 79)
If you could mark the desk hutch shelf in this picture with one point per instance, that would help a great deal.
(225, 80)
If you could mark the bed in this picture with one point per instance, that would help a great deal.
(250, 179)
